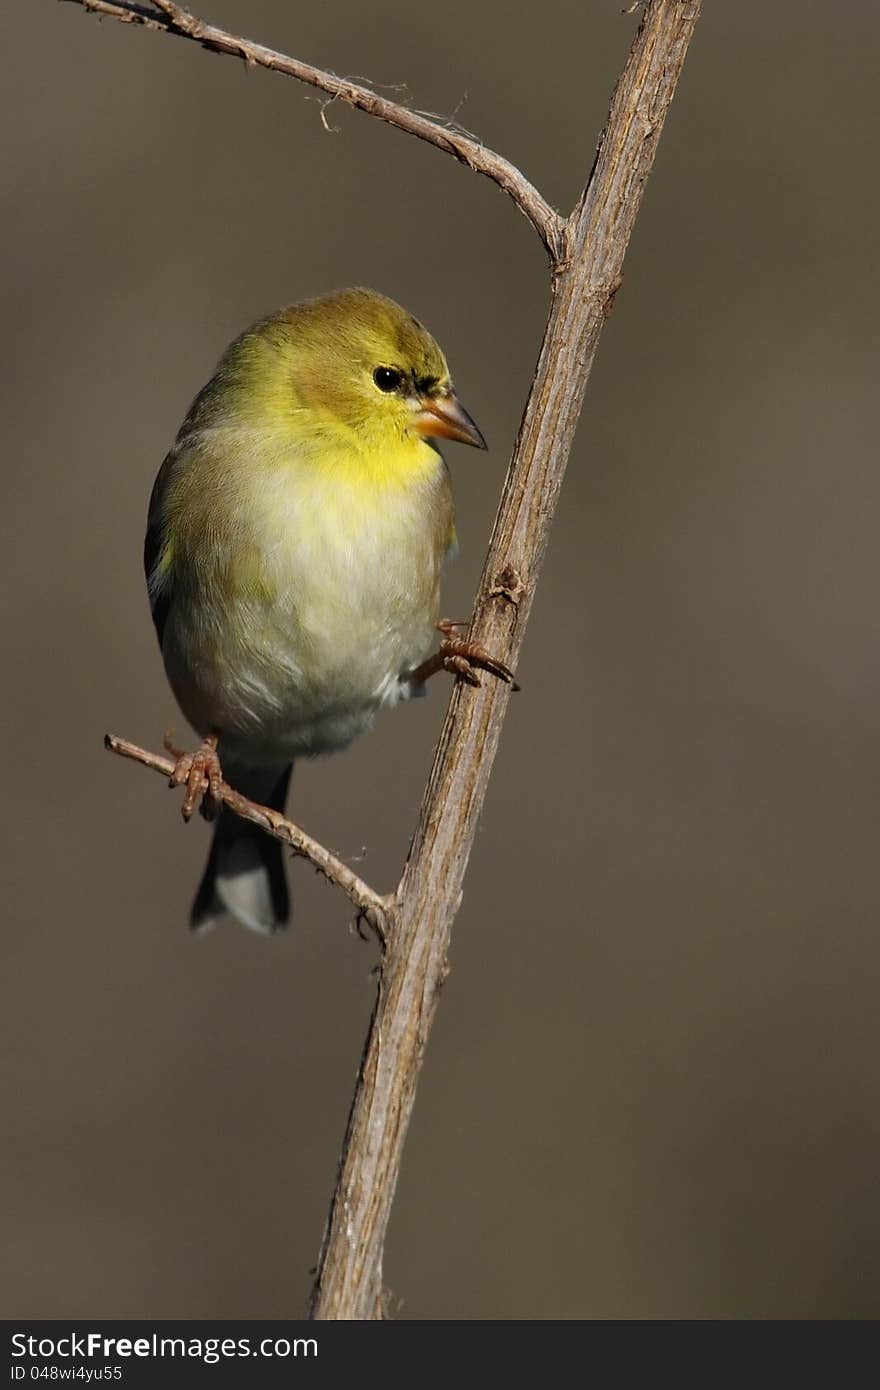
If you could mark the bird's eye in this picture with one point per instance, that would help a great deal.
(387, 379)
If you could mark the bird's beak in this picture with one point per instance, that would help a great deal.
(444, 417)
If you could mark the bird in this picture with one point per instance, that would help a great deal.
(296, 536)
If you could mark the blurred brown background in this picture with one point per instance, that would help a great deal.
(654, 1085)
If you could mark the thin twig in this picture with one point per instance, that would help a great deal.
(174, 19)
(368, 902)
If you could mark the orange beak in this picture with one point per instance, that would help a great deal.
(444, 417)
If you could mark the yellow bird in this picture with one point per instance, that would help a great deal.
(296, 537)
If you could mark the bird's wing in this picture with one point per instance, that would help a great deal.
(158, 573)
(451, 539)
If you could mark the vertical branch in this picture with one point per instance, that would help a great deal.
(587, 275)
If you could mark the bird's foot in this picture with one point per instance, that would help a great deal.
(462, 659)
(200, 773)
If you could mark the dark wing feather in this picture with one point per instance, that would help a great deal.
(154, 544)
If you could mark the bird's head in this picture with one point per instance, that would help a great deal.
(354, 362)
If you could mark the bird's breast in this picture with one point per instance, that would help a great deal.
(298, 623)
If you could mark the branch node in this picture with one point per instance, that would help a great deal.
(610, 293)
(508, 586)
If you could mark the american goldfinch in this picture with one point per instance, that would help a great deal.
(296, 536)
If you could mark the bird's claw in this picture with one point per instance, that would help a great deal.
(201, 774)
(459, 665)
(460, 657)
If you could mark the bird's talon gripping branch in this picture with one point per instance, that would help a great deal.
(459, 665)
(461, 658)
(201, 774)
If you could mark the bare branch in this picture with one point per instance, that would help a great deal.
(368, 902)
(174, 19)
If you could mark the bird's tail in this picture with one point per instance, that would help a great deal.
(244, 879)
